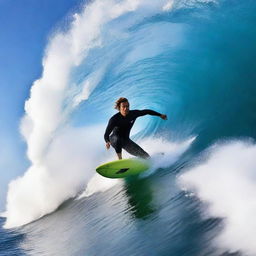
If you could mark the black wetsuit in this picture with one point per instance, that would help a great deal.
(120, 126)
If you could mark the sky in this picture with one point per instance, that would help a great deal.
(25, 27)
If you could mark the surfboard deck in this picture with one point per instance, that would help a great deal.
(123, 168)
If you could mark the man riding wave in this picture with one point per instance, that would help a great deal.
(117, 133)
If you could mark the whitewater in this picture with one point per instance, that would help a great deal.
(192, 60)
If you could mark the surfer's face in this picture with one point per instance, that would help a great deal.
(124, 108)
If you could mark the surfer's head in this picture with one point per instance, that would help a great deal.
(122, 105)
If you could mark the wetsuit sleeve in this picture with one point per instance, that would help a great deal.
(147, 112)
(109, 129)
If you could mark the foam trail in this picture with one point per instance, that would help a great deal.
(99, 184)
(165, 153)
(227, 182)
(172, 152)
(43, 187)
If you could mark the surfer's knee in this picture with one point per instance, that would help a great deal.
(134, 149)
(145, 155)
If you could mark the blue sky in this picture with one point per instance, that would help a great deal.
(25, 26)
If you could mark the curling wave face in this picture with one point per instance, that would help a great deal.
(192, 60)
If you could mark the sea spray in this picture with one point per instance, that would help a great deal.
(226, 181)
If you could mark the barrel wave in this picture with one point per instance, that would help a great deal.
(192, 60)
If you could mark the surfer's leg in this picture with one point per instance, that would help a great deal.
(116, 143)
(134, 149)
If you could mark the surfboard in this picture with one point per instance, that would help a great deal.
(123, 168)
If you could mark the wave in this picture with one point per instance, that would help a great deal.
(225, 181)
(63, 152)
(193, 60)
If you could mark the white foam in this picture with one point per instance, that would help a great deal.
(99, 184)
(227, 182)
(3, 214)
(68, 164)
(163, 153)
(168, 5)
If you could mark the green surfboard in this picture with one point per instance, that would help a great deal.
(123, 168)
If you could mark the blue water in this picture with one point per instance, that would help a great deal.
(196, 63)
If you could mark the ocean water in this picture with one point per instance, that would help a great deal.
(192, 60)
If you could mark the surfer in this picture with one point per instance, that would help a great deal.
(117, 133)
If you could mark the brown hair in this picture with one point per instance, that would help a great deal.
(119, 101)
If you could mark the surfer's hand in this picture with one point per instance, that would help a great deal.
(164, 117)
(108, 145)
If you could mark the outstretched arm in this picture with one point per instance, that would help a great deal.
(151, 112)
